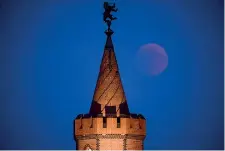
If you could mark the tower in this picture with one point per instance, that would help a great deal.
(109, 125)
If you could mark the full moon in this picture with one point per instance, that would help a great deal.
(151, 59)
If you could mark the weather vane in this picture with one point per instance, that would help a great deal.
(107, 16)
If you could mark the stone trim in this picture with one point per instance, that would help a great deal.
(125, 143)
(97, 144)
(110, 136)
(137, 137)
(131, 115)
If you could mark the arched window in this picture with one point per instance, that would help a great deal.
(87, 147)
(118, 122)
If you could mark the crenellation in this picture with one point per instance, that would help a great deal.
(127, 126)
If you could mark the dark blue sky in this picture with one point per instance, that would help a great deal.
(50, 55)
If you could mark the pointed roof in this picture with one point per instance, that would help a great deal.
(109, 96)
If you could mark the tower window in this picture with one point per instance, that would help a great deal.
(110, 110)
(104, 122)
(91, 123)
(118, 122)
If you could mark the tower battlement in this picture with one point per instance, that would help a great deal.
(85, 124)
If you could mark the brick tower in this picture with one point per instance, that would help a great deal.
(109, 125)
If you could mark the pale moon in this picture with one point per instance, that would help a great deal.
(151, 59)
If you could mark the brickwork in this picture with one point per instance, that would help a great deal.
(84, 143)
(129, 136)
(134, 144)
(109, 88)
(127, 126)
(111, 142)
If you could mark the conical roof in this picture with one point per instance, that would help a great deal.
(109, 96)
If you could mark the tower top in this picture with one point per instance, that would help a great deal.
(109, 97)
(109, 119)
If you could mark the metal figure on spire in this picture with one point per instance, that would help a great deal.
(107, 16)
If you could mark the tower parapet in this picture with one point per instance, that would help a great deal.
(109, 125)
(110, 132)
(87, 125)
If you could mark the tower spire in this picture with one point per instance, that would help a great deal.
(109, 125)
(109, 97)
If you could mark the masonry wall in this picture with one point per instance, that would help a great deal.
(95, 126)
(134, 144)
(129, 135)
(108, 144)
(82, 144)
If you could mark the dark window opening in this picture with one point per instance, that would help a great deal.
(104, 122)
(91, 123)
(118, 122)
(110, 110)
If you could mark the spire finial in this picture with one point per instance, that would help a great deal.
(108, 17)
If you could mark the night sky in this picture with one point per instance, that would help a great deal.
(50, 53)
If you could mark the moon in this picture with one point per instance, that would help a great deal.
(151, 59)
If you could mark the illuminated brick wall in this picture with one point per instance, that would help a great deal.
(129, 134)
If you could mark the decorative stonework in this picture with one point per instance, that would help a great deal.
(125, 143)
(87, 147)
(110, 136)
(97, 143)
(114, 141)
